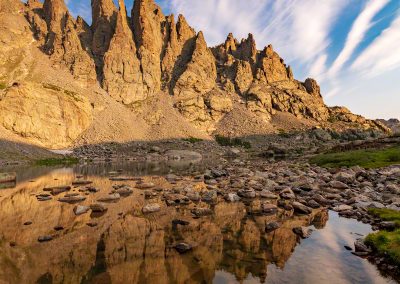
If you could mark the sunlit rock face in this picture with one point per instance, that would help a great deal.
(128, 246)
(151, 60)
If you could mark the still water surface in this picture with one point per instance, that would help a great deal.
(127, 246)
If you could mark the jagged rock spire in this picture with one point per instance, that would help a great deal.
(185, 32)
(55, 15)
(148, 20)
(104, 15)
(122, 76)
(200, 74)
(230, 43)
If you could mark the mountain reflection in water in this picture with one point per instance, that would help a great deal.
(127, 246)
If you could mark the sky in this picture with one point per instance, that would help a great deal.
(351, 47)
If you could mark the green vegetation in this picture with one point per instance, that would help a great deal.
(192, 140)
(369, 158)
(57, 161)
(227, 141)
(385, 242)
(386, 214)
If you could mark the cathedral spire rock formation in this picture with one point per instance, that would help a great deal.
(55, 13)
(147, 20)
(104, 15)
(122, 76)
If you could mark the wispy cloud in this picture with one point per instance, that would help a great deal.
(357, 33)
(298, 29)
(382, 54)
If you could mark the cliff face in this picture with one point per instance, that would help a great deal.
(149, 55)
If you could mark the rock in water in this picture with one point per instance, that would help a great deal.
(151, 208)
(183, 248)
(81, 182)
(98, 207)
(79, 209)
(114, 197)
(200, 212)
(359, 246)
(301, 208)
(303, 232)
(72, 199)
(43, 239)
(57, 189)
(272, 226)
(232, 197)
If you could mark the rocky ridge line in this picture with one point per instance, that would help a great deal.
(148, 55)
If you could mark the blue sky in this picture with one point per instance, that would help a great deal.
(352, 47)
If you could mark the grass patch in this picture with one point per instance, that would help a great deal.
(386, 214)
(369, 158)
(233, 142)
(192, 140)
(384, 242)
(57, 161)
(387, 243)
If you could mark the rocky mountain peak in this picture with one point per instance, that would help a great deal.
(183, 29)
(312, 87)
(122, 76)
(55, 12)
(104, 15)
(157, 60)
(103, 10)
(230, 43)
